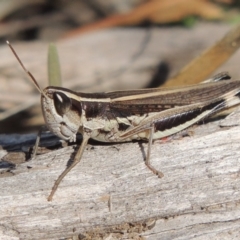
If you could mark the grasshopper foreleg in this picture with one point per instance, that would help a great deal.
(76, 160)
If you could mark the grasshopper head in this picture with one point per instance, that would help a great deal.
(62, 112)
(61, 108)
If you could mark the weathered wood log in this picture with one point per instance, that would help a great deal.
(112, 193)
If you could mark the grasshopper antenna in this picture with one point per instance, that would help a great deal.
(28, 73)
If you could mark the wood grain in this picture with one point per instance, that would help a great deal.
(111, 193)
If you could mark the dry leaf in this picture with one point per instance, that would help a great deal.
(158, 11)
(180, 9)
(202, 66)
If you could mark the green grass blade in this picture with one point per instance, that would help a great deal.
(54, 71)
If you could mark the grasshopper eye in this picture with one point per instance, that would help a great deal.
(62, 103)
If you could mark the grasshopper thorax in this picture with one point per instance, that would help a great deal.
(62, 112)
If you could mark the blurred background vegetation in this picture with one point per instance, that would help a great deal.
(54, 19)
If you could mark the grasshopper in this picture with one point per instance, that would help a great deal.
(121, 116)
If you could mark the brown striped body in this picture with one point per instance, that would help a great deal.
(126, 115)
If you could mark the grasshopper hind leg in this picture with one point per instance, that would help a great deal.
(147, 160)
(219, 77)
